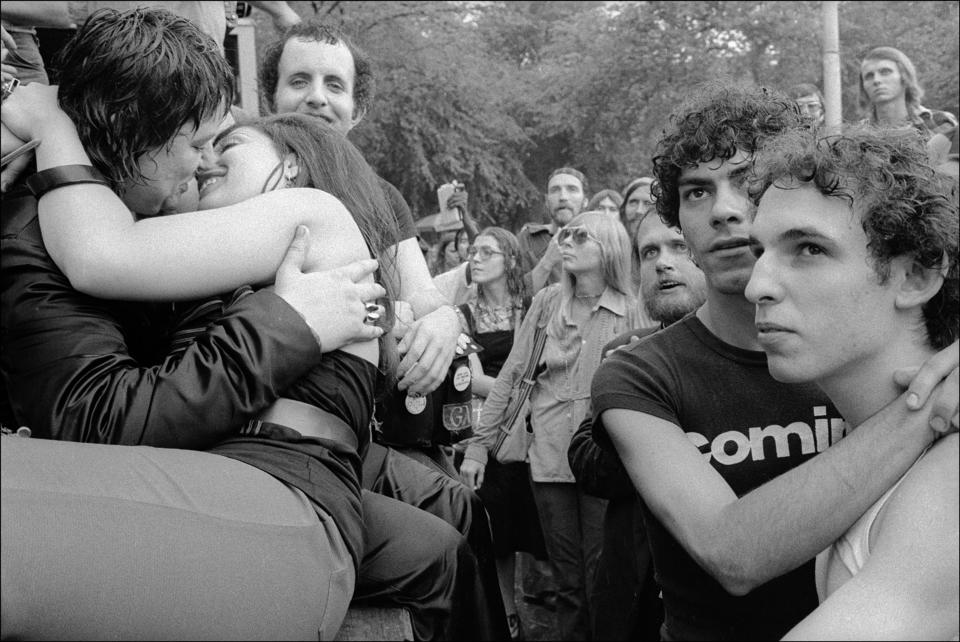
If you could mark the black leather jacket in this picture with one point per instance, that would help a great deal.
(78, 368)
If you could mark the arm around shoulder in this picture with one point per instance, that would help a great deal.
(191, 255)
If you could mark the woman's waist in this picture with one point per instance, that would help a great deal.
(308, 420)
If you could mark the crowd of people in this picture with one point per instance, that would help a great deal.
(240, 395)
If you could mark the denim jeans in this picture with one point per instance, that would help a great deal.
(573, 532)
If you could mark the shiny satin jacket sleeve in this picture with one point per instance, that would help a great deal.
(495, 405)
(72, 373)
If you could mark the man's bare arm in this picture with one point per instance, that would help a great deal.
(429, 346)
(777, 527)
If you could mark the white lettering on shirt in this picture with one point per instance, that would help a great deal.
(734, 446)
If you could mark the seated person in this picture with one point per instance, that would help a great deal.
(191, 519)
(857, 273)
(150, 405)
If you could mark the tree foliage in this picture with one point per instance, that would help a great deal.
(497, 94)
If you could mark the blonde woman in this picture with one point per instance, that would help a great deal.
(591, 305)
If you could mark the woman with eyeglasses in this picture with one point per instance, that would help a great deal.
(491, 310)
(591, 305)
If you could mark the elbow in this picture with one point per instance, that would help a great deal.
(733, 572)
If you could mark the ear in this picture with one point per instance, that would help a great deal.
(291, 167)
(358, 114)
(917, 284)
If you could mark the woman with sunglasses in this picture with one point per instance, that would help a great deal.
(591, 305)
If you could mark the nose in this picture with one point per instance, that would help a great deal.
(763, 287)
(730, 208)
(208, 157)
(666, 261)
(317, 96)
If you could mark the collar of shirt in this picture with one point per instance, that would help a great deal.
(610, 299)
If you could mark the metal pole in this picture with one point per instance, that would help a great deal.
(832, 89)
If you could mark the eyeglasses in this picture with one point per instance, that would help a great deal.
(579, 234)
(812, 108)
(482, 252)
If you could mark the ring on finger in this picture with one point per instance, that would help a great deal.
(374, 313)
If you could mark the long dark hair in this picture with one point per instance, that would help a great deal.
(512, 266)
(330, 162)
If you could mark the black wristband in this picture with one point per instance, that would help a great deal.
(49, 179)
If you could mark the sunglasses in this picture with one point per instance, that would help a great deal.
(482, 252)
(579, 234)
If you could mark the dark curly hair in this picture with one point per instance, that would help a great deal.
(129, 81)
(313, 29)
(715, 123)
(907, 207)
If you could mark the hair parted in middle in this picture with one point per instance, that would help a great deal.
(912, 91)
(512, 264)
(615, 247)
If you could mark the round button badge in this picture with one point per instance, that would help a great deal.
(415, 405)
(461, 378)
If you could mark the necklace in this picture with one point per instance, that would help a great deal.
(587, 296)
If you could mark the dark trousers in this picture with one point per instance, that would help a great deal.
(429, 549)
(573, 532)
(626, 603)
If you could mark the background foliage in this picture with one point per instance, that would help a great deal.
(497, 94)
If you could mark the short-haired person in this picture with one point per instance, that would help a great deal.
(317, 70)
(566, 197)
(890, 94)
(607, 201)
(856, 274)
(590, 306)
(744, 479)
(448, 254)
(809, 100)
(628, 605)
(78, 368)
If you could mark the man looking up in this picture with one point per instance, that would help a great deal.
(890, 92)
(628, 599)
(317, 70)
(743, 479)
(539, 251)
(857, 274)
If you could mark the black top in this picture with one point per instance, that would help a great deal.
(77, 368)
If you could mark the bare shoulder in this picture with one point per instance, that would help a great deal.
(923, 513)
(928, 493)
(335, 233)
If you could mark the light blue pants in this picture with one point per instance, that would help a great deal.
(132, 542)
